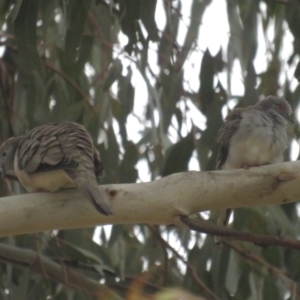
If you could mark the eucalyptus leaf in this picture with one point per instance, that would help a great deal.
(152, 82)
(26, 37)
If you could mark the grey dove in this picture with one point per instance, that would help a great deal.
(56, 156)
(253, 136)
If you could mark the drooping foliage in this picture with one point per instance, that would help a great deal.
(135, 73)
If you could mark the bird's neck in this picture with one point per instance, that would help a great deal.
(17, 141)
(276, 118)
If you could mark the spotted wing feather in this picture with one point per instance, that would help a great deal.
(229, 128)
(42, 150)
(69, 147)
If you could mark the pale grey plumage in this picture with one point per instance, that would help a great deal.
(253, 136)
(53, 157)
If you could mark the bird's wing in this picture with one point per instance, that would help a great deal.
(66, 146)
(229, 128)
(42, 150)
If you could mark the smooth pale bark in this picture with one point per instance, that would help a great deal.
(157, 202)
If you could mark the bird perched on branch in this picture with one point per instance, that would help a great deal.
(253, 136)
(53, 157)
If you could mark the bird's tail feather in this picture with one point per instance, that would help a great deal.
(99, 201)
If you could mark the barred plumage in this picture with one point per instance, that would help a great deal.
(253, 136)
(56, 156)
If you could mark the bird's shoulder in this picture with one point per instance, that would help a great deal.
(229, 128)
(52, 145)
(56, 130)
(230, 125)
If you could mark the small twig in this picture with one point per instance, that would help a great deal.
(209, 293)
(166, 265)
(26, 258)
(258, 239)
(73, 84)
(94, 22)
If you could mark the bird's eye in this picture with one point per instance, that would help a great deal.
(281, 106)
(4, 154)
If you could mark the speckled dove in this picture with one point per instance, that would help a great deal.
(253, 136)
(53, 157)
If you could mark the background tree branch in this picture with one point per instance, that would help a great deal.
(25, 258)
(258, 239)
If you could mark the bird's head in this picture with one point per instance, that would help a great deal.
(279, 105)
(7, 154)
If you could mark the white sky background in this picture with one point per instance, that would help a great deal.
(212, 35)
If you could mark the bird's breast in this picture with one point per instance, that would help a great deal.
(44, 181)
(256, 144)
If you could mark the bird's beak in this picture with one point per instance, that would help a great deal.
(291, 119)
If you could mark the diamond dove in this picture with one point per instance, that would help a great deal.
(253, 136)
(56, 156)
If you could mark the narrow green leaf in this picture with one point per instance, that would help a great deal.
(21, 289)
(270, 290)
(168, 39)
(78, 14)
(243, 291)
(197, 10)
(127, 171)
(114, 73)
(178, 156)
(172, 90)
(233, 274)
(147, 15)
(116, 232)
(206, 90)
(130, 10)
(293, 17)
(126, 94)
(81, 253)
(47, 12)
(25, 33)
(84, 53)
(16, 10)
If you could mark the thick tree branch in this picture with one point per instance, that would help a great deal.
(42, 265)
(159, 202)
